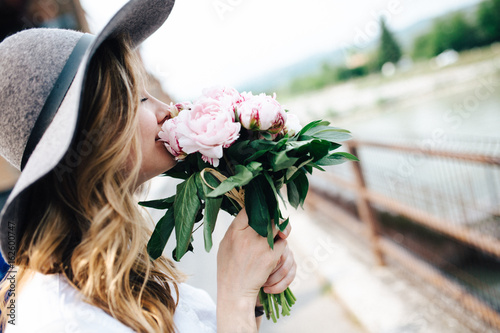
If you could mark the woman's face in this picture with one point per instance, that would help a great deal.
(155, 157)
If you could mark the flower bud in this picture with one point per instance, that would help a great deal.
(262, 113)
(292, 125)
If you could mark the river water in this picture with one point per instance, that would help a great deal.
(457, 112)
(434, 115)
(464, 116)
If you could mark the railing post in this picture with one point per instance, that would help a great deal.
(365, 210)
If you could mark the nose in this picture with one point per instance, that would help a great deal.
(162, 111)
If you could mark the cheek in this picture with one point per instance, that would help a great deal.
(147, 125)
(155, 157)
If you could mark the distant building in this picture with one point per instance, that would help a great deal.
(357, 60)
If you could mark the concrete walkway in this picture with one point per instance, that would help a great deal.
(338, 286)
(380, 300)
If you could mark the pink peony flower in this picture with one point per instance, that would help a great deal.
(292, 125)
(228, 97)
(174, 109)
(168, 135)
(184, 106)
(261, 113)
(221, 93)
(206, 128)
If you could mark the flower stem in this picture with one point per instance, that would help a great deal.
(272, 302)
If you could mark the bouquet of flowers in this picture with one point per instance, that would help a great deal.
(239, 150)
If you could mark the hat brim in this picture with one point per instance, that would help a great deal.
(136, 20)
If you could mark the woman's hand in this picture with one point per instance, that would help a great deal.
(284, 272)
(245, 263)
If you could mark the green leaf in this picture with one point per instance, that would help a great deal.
(244, 174)
(161, 234)
(301, 148)
(296, 145)
(212, 207)
(255, 156)
(177, 174)
(256, 205)
(312, 125)
(329, 133)
(282, 161)
(314, 165)
(319, 149)
(159, 204)
(199, 214)
(230, 206)
(281, 143)
(292, 170)
(174, 252)
(186, 207)
(282, 199)
(240, 150)
(263, 145)
(322, 128)
(274, 208)
(270, 236)
(278, 182)
(266, 135)
(184, 169)
(350, 157)
(336, 158)
(302, 187)
(283, 225)
(297, 190)
(293, 194)
(271, 184)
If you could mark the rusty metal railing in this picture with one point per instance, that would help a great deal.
(448, 196)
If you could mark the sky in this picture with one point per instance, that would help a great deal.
(228, 42)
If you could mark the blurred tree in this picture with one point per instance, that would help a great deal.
(450, 32)
(462, 35)
(423, 47)
(488, 17)
(389, 49)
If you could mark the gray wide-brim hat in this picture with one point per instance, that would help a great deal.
(42, 73)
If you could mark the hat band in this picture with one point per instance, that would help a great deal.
(56, 96)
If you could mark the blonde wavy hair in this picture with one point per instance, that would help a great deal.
(85, 222)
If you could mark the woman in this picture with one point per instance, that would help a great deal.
(72, 228)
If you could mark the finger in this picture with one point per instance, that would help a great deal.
(285, 233)
(277, 231)
(287, 252)
(281, 260)
(281, 272)
(283, 283)
(278, 249)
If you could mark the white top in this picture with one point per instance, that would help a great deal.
(48, 303)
